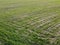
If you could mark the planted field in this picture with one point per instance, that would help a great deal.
(29, 22)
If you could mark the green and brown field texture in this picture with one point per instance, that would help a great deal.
(29, 22)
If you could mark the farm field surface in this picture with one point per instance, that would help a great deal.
(29, 22)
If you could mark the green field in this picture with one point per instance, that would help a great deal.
(29, 22)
